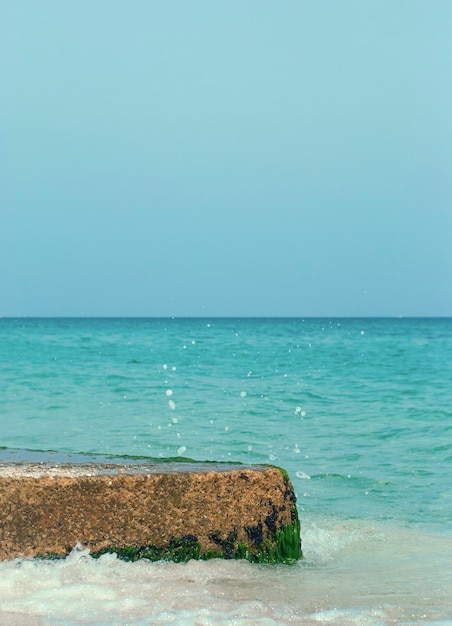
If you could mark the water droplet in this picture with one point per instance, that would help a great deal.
(169, 392)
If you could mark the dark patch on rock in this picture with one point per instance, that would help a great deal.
(227, 545)
(270, 521)
(255, 533)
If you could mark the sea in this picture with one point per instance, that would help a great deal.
(358, 411)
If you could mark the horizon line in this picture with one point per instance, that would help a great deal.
(207, 317)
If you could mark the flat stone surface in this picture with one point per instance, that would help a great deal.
(47, 507)
(42, 470)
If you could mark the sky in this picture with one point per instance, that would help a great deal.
(226, 158)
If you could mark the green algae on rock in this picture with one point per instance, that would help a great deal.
(286, 549)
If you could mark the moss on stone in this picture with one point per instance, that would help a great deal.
(288, 543)
(50, 556)
(178, 549)
(286, 548)
(226, 545)
(284, 472)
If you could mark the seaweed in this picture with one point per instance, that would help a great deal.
(286, 548)
(227, 545)
(178, 549)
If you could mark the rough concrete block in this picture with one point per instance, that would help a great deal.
(172, 511)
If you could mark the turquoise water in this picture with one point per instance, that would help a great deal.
(358, 411)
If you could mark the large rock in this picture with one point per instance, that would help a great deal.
(153, 510)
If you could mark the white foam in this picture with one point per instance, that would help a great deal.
(353, 573)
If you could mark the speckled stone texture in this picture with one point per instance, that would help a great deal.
(46, 509)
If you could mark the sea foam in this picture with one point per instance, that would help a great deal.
(352, 574)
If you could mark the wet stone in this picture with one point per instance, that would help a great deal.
(173, 511)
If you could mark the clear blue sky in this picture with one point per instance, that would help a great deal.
(210, 157)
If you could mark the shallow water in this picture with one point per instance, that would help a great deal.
(353, 573)
(358, 411)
